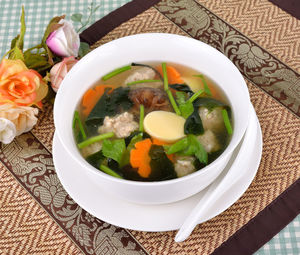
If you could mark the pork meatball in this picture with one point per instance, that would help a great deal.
(212, 120)
(143, 73)
(209, 141)
(91, 149)
(122, 125)
(184, 165)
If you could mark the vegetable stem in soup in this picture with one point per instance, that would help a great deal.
(152, 122)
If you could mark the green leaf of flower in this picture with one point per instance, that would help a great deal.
(76, 17)
(20, 39)
(84, 49)
(16, 54)
(16, 51)
(36, 61)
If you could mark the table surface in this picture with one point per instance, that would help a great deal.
(38, 14)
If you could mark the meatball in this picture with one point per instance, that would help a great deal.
(122, 125)
(91, 149)
(184, 165)
(212, 120)
(209, 141)
(143, 73)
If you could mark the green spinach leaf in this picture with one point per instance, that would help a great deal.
(126, 156)
(186, 107)
(114, 149)
(178, 146)
(189, 146)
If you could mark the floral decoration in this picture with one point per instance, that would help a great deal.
(28, 77)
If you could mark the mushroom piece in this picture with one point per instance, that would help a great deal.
(152, 99)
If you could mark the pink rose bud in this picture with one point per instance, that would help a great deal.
(59, 71)
(64, 41)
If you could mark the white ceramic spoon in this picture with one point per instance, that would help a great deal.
(214, 192)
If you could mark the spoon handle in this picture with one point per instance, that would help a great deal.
(213, 193)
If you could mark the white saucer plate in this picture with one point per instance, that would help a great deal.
(152, 218)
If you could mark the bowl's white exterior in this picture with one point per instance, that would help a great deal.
(147, 48)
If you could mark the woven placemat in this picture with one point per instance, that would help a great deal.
(274, 89)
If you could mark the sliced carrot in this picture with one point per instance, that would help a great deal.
(139, 157)
(91, 97)
(173, 74)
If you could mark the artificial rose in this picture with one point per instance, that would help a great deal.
(64, 41)
(23, 117)
(20, 85)
(59, 71)
(7, 131)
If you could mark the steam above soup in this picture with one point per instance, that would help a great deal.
(152, 122)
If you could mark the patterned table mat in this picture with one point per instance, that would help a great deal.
(29, 157)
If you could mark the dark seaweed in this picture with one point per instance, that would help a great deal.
(161, 167)
(183, 88)
(108, 105)
(134, 133)
(193, 124)
(209, 103)
(95, 159)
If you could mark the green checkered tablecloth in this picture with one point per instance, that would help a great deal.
(286, 242)
(38, 14)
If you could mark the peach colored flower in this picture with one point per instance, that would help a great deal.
(60, 70)
(20, 85)
(24, 117)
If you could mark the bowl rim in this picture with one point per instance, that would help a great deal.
(82, 163)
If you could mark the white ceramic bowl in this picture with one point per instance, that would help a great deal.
(146, 48)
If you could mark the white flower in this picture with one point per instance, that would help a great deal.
(64, 41)
(23, 117)
(7, 131)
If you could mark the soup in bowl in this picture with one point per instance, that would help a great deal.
(149, 125)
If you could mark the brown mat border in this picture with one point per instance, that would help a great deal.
(265, 225)
(103, 26)
(82, 228)
(290, 6)
(275, 216)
